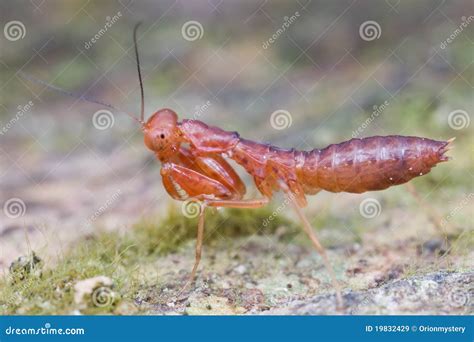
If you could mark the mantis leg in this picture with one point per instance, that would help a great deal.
(199, 240)
(216, 167)
(182, 182)
(243, 204)
(200, 232)
(310, 232)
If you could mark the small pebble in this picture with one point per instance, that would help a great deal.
(241, 269)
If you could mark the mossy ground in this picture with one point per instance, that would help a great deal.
(247, 266)
(49, 290)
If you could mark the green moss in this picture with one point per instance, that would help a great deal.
(157, 237)
(114, 255)
(51, 292)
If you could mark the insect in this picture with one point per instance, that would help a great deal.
(194, 166)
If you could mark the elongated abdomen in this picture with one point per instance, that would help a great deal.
(368, 164)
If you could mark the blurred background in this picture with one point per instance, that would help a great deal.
(300, 74)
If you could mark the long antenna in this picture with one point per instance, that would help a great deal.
(142, 93)
(75, 95)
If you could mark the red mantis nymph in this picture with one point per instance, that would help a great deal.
(194, 167)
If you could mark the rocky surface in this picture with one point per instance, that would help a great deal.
(266, 276)
(435, 293)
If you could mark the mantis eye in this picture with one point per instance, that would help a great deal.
(162, 136)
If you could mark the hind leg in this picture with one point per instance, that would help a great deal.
(310, 232)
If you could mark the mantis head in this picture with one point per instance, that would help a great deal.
(162, 134)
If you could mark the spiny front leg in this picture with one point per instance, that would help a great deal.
(183, 183)
(215, 167)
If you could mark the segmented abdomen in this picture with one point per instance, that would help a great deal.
(367, 164)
